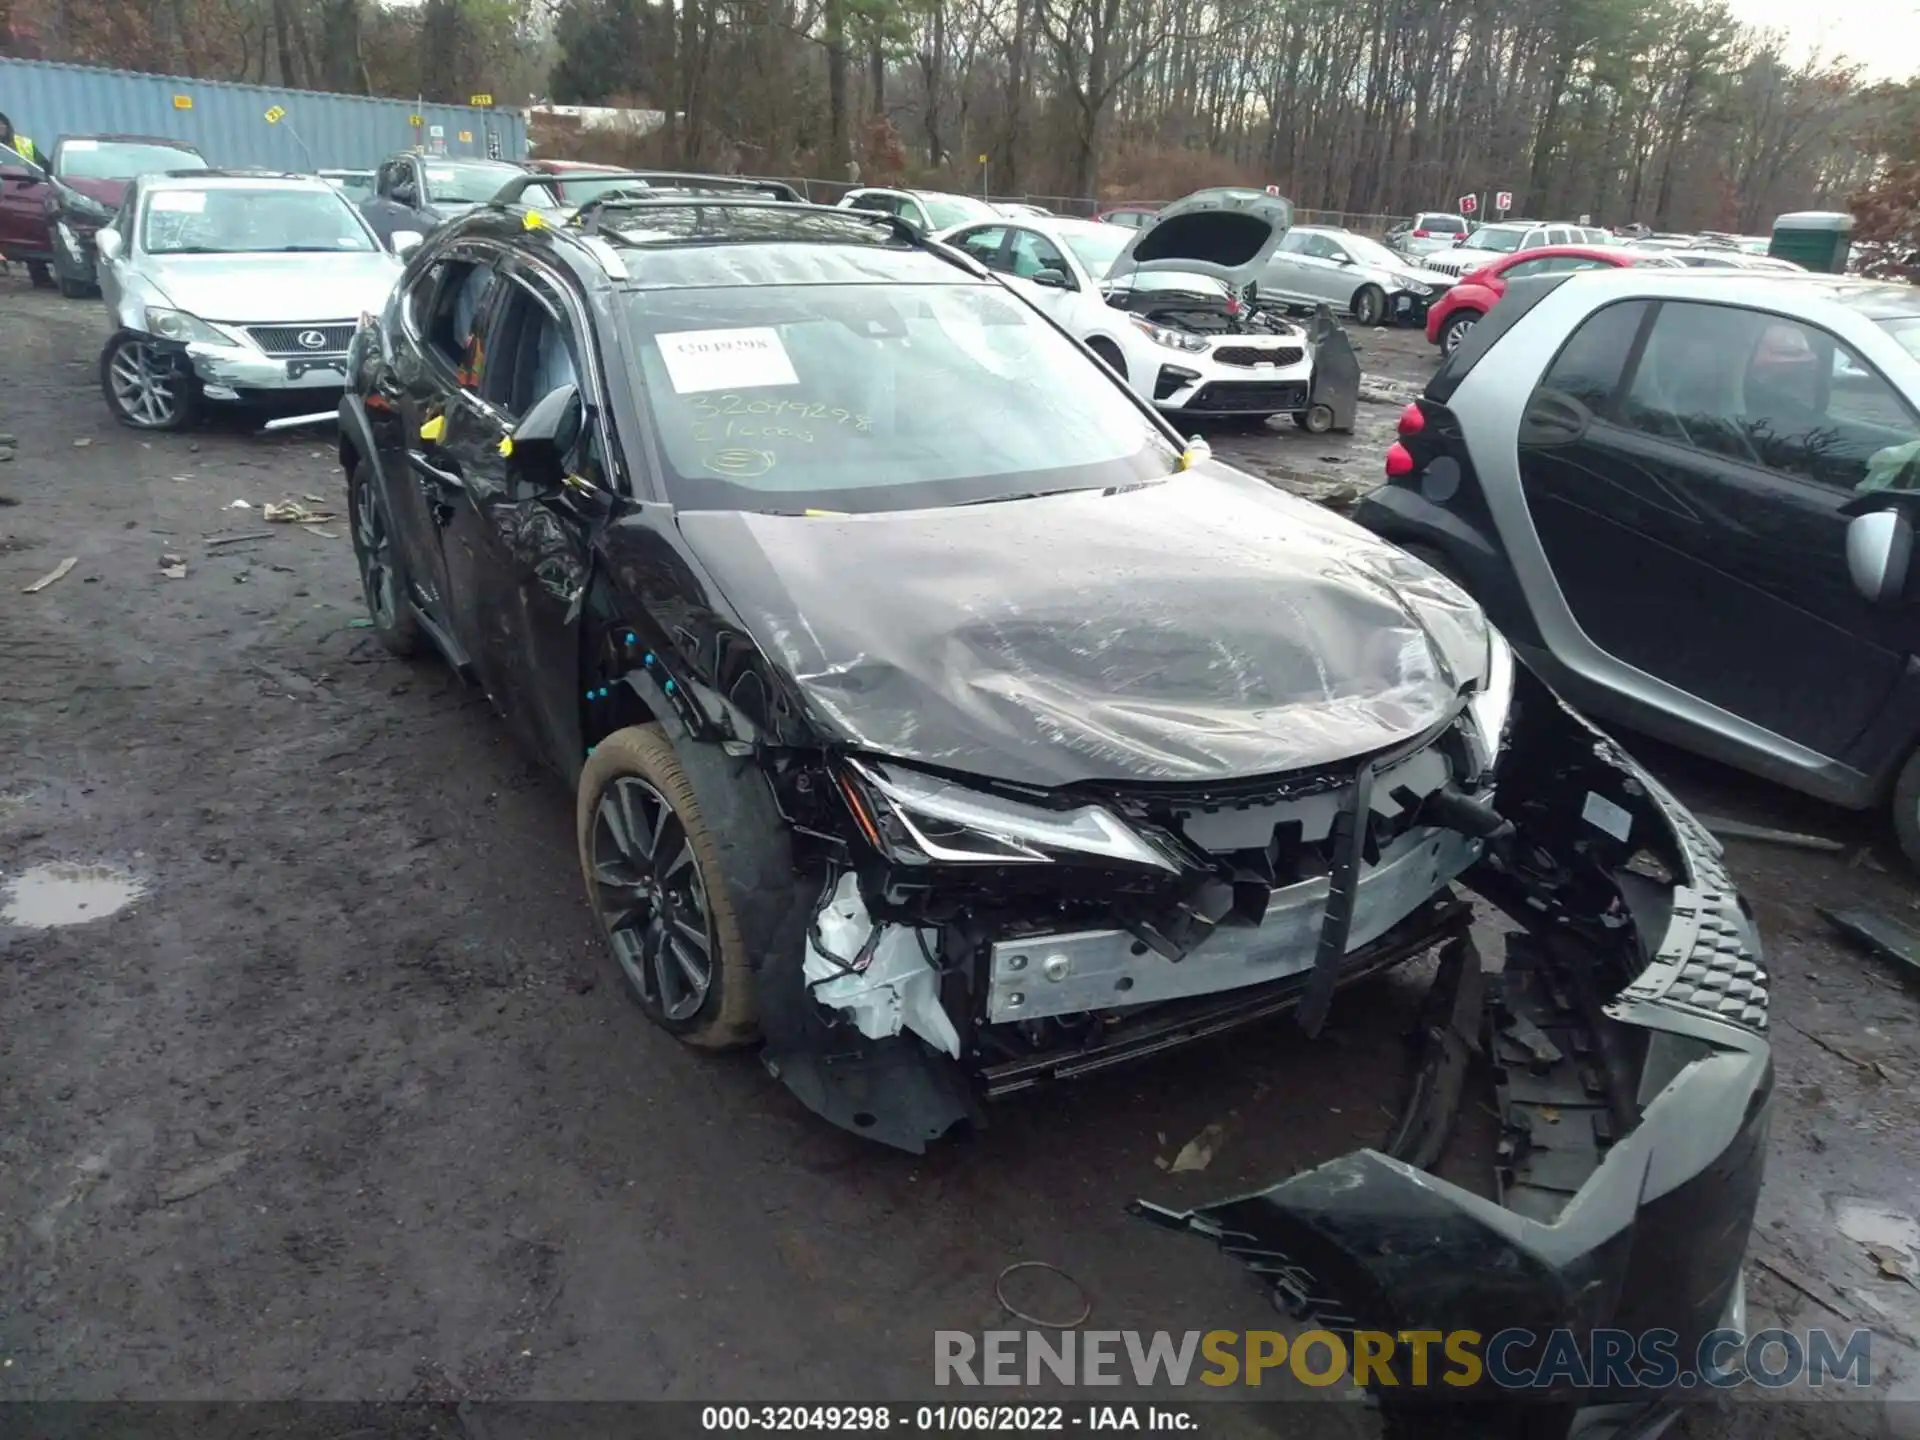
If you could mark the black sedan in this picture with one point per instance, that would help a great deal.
(936, 718)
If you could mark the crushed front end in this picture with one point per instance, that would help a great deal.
(985, 938)
(1627, 1035)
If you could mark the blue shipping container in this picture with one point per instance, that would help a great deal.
(227, 122)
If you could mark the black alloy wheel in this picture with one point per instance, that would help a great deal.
(653, 900)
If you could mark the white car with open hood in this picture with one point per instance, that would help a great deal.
(236, 288)
(1194, 284)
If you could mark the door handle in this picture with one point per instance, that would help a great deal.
(446, 479)
(1551, 419)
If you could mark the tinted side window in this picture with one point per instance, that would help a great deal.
(533, 353)
(984, 244)
(455, 292)
(1033, 253)
(1528, 267)
(1763, 390)
(1589, 366)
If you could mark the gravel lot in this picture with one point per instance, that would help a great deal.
(348, 1104)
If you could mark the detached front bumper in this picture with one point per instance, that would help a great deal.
(1630, 1059)
(73, 251)
(1410, 307)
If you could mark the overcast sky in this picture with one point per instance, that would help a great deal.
(1882, 35)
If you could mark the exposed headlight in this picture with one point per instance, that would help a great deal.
(918, 819)
(1408, 283)
(1490, 704)
(1172, 339)
(179, 325)
(84, 207)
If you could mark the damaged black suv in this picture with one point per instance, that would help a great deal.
(941, 719)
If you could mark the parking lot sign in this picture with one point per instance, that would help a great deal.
(1468, 204)
(1503, 201)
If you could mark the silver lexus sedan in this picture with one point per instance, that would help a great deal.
(234, 287)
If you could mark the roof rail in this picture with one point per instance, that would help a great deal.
(588, 217)
(236, 172)
(587, 222)
(667, 180)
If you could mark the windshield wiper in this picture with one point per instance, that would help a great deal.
(1064, 490)
(318, 250)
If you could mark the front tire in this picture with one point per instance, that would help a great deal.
(1455, 330)
(40, 274)
(74, 289)
(1369, 305)
(383, 573)
(653, 875)
(143, 387)
(1315, 419)
(1906, 809)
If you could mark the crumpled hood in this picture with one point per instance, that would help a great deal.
(275, 289)
(1227, 233)
(1200, 628)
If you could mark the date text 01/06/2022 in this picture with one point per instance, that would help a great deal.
(946, 1419)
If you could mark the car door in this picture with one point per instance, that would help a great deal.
(380, 209)
(1685, 464)
(1292, 269)
(431, 382)
(1332, 276)
(1031, 255)
(110, 275)
(516, 554)
(23, 208)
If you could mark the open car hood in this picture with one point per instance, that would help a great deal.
(1227, 233)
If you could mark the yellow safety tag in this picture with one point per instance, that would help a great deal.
(533, 220)
(506, 444)
(434, 428)
(825, 512)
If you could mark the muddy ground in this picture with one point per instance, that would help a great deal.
(349, 1104)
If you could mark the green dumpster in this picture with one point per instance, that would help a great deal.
(1817, 239)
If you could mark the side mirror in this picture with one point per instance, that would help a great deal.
(1343, 260)
(1879, 552)
(405, 242)
(547, 434)
(108, 243)
(1053, 278)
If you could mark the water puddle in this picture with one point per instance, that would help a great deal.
(1870, 1224)
(63, 894)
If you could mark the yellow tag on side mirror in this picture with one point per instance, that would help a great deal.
(506, 445)
(434, 429)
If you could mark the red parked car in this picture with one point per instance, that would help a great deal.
(1455, 312)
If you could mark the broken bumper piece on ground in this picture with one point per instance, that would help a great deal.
(1627, 1035)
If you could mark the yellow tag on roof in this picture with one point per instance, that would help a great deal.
(533, 220)
(434, 428)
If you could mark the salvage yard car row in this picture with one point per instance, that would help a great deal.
(945, 723)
